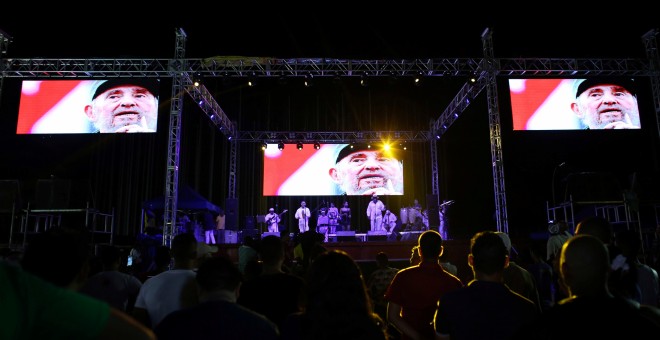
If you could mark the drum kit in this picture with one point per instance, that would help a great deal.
(409, 215)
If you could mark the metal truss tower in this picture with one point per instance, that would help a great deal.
(180, 69)
(489, 72)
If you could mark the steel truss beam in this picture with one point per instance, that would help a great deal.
(266, 67)
(332, 137)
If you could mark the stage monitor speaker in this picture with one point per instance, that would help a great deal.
(231, 214)
(270, 234)
(345, 236)
(376, 235)
(410, 235)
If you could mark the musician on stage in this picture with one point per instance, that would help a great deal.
(375, 212)
(302, 215)
(272, 221)
(389, 221)
(345, 217)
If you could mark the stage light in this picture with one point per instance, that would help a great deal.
(472, 79)
(317, 146)
(280, 146)
(197, 80)
(309, 80)
(299, 146)
(252, 80)
(264, 146)
(364, 80)
(418, 79)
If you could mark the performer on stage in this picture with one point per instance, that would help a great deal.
(302, 215)
(375, 213)
(389, 221)
(272, 221)
(345, 217)
(333, 218)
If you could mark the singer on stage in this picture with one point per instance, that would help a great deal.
(302, 215)
(375, 213)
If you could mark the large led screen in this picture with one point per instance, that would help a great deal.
(597, 103)
(332, 169)
(117, 105)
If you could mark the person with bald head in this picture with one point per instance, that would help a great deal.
(591, 309)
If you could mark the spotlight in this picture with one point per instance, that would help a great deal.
(299, 146)
(280, 146)
(252, 81)
(264, 146)
(418, 79)
(309, 80)
(317, 145)
(364, 80)
(472, 79)
(197, 80)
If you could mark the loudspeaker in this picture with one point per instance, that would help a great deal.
(377, 235)
(345, 236)
(270, 234)
(434, 218)
(432, 202)
(231, 214)
(410, 235)
(250, 222)
(227, 236)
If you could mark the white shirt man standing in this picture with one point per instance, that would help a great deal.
(375, 213)
(302, 215)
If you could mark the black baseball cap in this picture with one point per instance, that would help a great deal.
(627, 83)
(351, 148)
(151, 84)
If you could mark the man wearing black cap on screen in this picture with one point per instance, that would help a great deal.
(360, 170)
(124, 105)
(606, 103)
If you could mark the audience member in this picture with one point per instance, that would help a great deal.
(110, 285)
(247, 252)
(592, 311)
(338, 305)
(59, 255)
(162, 262)
(542, 272)
(559, 234)
(217, 316)
(378, 282)
(517, 278)
(642, 278)
(415, 291)
(170, 290)
(485, 308)
(603, 230)
(33, 308)
(448, 266)
(273, 293)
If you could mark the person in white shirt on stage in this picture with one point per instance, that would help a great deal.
(389, 221)
(272, 221)
(302, 215)
(375, 213)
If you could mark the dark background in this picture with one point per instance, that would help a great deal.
(124, 171)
